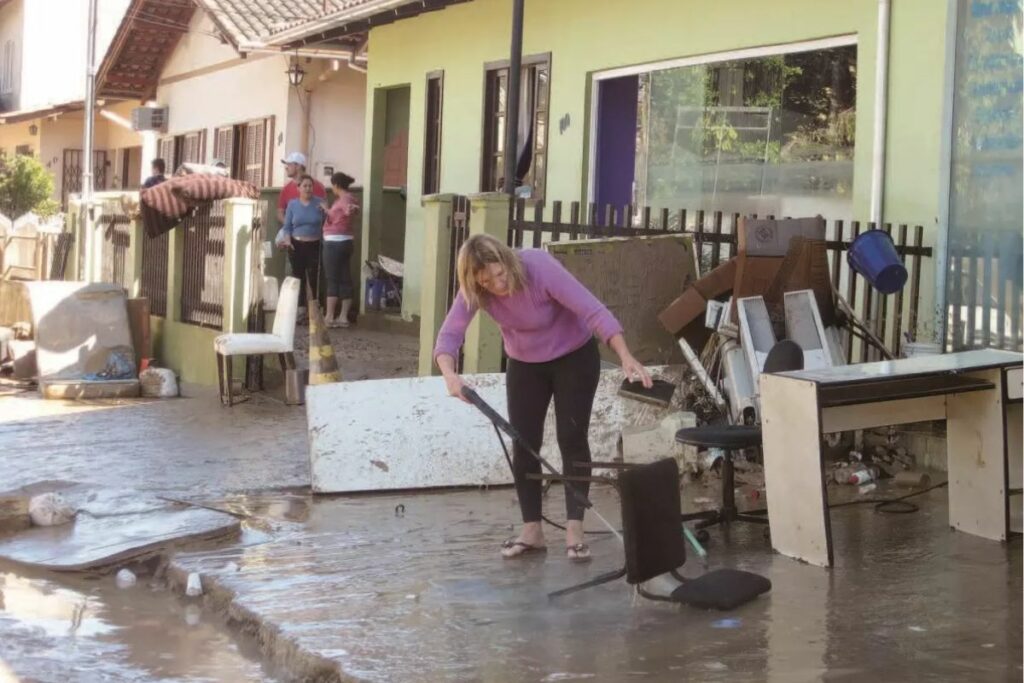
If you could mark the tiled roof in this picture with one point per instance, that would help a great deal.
(339, 9)
(248, 22)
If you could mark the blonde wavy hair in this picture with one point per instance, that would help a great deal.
(478, 252)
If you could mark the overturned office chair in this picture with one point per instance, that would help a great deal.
(785, 356)
(280, 341)
(653, 542)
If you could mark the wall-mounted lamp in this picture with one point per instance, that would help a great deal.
(296, 74)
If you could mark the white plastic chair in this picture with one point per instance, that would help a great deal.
(281, 340)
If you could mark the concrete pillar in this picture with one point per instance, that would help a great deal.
(75, 258)
(437, 231)
(134, 259)
(175, 274)
(488, 215)
(150, 148)
(238, 218)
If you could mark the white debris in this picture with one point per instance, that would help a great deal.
(125, 578)
(231, 567)
(158, 383)
(192, 615)
(194, 585)
(50, 509)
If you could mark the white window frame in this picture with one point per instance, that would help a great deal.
(696, 60)
(7, 74)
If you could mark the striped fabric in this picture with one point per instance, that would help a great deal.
(164, 205)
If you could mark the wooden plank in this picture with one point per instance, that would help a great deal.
(852, 417)
(793, 470)
(406, 433)
(976, 453)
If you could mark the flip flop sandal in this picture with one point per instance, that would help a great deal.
(527, 549)
(581, 550)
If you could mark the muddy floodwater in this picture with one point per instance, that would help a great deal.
(84, 628)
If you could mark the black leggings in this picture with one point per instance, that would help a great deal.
(572, 380)
(338, 268)
(305, 260)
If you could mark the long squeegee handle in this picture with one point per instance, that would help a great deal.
(501, 423)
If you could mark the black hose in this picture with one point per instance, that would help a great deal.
(894, 506)
(508, 459)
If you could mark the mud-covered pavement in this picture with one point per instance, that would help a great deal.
(82, 627)
(358, 588)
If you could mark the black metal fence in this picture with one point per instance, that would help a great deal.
(892, 319)
(61, 252)
(202, 285)
(114, 255)
(153, 283)
(984, 293)
(459, 233)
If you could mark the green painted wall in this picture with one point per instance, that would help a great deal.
(584, 36)
(187, 349)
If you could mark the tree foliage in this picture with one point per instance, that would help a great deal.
(25, 185)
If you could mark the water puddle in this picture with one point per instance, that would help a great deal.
(86, 626)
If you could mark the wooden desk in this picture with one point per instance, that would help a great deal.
(977, 393)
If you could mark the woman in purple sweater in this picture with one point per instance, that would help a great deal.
(548, 321)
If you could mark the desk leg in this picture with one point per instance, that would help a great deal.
(976, 452)
(794, 471)
(1015, 453)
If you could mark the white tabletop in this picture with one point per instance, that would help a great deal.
(963, 361)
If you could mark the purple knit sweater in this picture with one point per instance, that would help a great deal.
(551, 316)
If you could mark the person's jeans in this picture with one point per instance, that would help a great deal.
(338, 268)
(305, 260)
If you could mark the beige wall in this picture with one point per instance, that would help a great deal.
(337, 115)
(12, 20)
(206, 85)
(53, 48)
(14, 134)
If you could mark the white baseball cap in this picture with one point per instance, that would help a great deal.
(295, 158)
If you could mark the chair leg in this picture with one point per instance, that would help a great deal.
(220, 375)
(596, 581)
(290, 358)
(228, 380)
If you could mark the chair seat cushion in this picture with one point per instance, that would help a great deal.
(722, 589)
(246, 344)
(729, 437)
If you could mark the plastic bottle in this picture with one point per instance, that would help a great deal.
(863, 475)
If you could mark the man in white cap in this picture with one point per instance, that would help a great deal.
(295, 168)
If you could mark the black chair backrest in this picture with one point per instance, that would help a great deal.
(785, 356)
(652, 530)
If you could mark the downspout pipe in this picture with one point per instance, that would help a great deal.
(515, 69)
(881, 108)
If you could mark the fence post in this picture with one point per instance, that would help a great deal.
(238, 217)
(175, 271)
(437, 235)
(133, 261)
(489, 215)
(73, 272)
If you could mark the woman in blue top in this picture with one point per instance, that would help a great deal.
(303, 220)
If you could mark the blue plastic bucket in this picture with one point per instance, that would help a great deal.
(873, 255)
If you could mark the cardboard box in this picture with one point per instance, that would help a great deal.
(690, 306)
(763, 237)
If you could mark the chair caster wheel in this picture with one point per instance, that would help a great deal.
(703, 536)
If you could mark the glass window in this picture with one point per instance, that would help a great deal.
(986, 208)
(771, 135)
